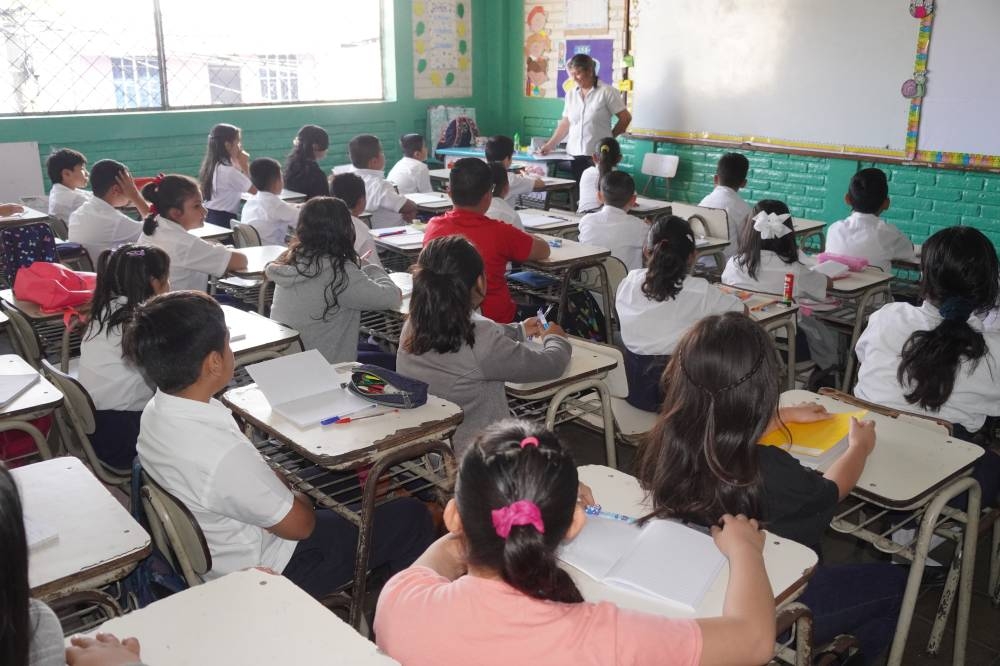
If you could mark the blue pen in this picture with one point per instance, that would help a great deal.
(333, 419)
(541, 317)
(597, 511)
(329, 421)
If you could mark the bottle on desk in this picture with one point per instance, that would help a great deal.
(789, 288)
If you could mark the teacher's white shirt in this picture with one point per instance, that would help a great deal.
(590, 117)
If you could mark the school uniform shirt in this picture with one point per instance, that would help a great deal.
(99, 226)
(737, 213)
(497, 243)
(192, 259)
(503, 211)
(590, 117)
(798, 503)
(868, 236)
(197, 453)
(364, 242)
(653, 328)
(383, 201)
(228, 183)
(977, 392)
(771, 276)
(64, 200)
(112, 382)
(270, 216)
(616, 230)
(410, 176)
(306, 178)
(490, 623)
(590, 183)
(47, 646)
(519, 185)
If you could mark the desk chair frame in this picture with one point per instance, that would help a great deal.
(244, 235)
(659, 165)
(176, 532)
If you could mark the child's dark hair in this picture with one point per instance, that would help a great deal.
(125, 272)
(16, 630)
(59, 160)
(514, 461)
(751, 243)
(349, 188)
(308, 140)
(441, 303)
(608, 154)
(216, 154)
(363, 149)
(721, 389)
(411, 144)
(469, 181)
(171, 192)
(264, 171)
(498, 148)
(169, 337)
(617, 188)
(500, 178)
(669, 245)
(868, 190)
(732, 170)
(103, 176)
(959, 274)
(324, 235)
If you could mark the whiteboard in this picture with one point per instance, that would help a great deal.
(20, 171)
(803, 73)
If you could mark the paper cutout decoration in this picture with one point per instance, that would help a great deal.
(442, 44)
(536, 51)
(921, 9)
(915, 87)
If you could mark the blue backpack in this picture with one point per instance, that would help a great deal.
(460, 132)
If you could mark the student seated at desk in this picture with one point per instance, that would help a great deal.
(464, 357)
(350, 188)
(322, 287)
(495, 583)
(388, 207)
(864, 234)
(611, 226)
(606, 157)
(265, 211)
(98, 225)
(499, 208)
(190, 445)
(656, 305)
(703, 461)
(224, 174)
(470, 187)
(126, 277)
(501, 149)
(176, 208)
(410, 174)
(730, 176)
(67, 170)
(936, 359)
(302, 171)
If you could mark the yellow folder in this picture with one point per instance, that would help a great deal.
(813, 439)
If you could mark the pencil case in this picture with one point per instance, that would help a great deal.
(388, 388)
(855, 264)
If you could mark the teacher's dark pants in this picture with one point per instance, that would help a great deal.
(580, 164)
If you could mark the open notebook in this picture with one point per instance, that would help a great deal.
(663, 559)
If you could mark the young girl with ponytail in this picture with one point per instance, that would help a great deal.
(224, 174)
(607, 155)
(176, 208)
(463, 356)
(302, 171)
(656, 305)
(494, 586)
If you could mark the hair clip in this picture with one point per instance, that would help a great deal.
(137, 252)
(158, 179)
(529, 441)
(521, 512)
(153, 210)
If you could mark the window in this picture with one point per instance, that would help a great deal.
(63, 56)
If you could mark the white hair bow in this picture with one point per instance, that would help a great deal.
(771, 225)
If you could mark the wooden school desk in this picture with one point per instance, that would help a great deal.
(405, 240)
(251, 333)
(543, 198)
(27, 216)
(209, 231)
(313, 459)
(773, 315)
(434, 203)
(561, 223)
(647, 207)
(258, 258)
(40, 399)
(286, 195)
(915, 468)
(249, 618)
(386, 324)
(98, 540)
(806, 229)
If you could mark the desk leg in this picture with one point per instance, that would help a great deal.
(791, 330)
(608, 416)
(609, 304)
(859, 322)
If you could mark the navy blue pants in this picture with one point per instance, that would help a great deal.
(223, 218)
(114, 437)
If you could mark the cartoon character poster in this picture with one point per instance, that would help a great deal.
(601, 50)
(536, 52)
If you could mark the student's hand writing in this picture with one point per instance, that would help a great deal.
(105, 650)
(736, 533)
(553, 329)
(10, 209)
(545, 149)
(862, 435)
(806, 412)
(585, 495)
(532, 327)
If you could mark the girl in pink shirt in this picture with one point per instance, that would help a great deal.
(491, 591)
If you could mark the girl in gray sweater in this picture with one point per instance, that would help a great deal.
(321, 288)
(463, 356)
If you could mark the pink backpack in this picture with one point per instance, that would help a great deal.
(53, 287)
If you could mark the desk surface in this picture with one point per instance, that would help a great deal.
(432, 201)
(710, 245)
(32, 310)
(40, 396)
(909, 463)
(258, 258)
(584, 363)
(237, 608)
(409, 242)
(763, 308)
(789, 564)
(286, 195)
(518, 157)
(549, 220)
(96, 534)
(209, 231)
(856, 283)
(257, 332)
(24, 217)
(570, 253)
(553, 184)
(647, 206)
(806, 227)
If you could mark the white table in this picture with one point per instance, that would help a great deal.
(249, 618)
(768, 311)
(858, 291)
(99, 542)
(431, 202)
(258, 257)
(250, 332)
(209, 231)
(406, 239)
(806, 229)
(286, 195)
(647, 207)
(555, 222)
(24, 217)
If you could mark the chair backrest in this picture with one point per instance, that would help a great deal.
(659, 165)
(25, 244)
(715, 220)
(616, 379)
(245, 235)
(59, 227)
(28, 344)
(176, 531)
(616, 271)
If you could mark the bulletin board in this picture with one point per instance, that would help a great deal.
(442, 45)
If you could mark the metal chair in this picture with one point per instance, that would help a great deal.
(658, 165)
(245, 235)
(175, 532)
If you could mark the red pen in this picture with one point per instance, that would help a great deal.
(362, 418)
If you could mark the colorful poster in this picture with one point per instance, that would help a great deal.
(537, 48)
(442, 44)
(601, 50)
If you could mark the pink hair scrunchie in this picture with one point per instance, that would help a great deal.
(521, 512)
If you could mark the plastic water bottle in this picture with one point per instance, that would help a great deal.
(517, 142)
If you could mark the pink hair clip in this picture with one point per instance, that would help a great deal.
(529, 441)
(521, 512)
(158, 179)
(152, 210)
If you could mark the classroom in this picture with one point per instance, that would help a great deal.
(474, 331)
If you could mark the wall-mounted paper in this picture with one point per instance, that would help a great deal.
(442, 42)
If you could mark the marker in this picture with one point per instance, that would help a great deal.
(398, 232)
(335, 419)
(596, 511)
(542, 317)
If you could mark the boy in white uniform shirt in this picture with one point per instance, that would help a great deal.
(98, 225)
(349, 188)
(190, 445)
(499, 208)
(500, 148)
(730, 176)
(273, 218)
(611, 226)
(388, 207)
(67, 170)
(863, 233)
(410, 175)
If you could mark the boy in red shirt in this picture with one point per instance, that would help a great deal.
(471, 187)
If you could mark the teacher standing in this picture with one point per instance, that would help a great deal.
(586, 118)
